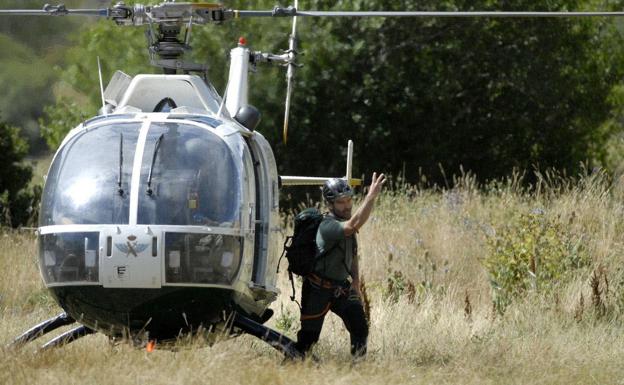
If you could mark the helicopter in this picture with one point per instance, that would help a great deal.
(160, 215)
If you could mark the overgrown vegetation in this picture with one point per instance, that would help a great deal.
(18, 201)
(429, 258)
(433, 314)
(532, 252)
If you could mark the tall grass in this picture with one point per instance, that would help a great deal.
(431, 295)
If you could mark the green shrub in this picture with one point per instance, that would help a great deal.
(18, 203)
(285, 322)
(61, 118)
(397, 285)
(532, 252)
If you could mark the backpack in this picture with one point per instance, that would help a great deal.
(300, 248)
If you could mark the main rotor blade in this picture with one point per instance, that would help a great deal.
(457, 14)
(292, 12)
(55, 12)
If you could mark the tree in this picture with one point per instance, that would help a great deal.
(416, 95)
(488, 95)
(18, 202)
(26, 86)
(31, 48)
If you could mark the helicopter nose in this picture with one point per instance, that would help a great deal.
(131, 259)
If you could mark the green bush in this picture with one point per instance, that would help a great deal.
(18, 203)
(61, 118)
(285, 322)
(532, 252)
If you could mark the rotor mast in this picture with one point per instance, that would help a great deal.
(166, 49)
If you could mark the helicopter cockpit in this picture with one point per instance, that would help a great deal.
(182, 181)
(90, 181)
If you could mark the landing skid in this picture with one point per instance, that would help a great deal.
(46, 327)
(68, 337)
(43, 328)
(279, 341)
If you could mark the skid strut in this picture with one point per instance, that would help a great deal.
(43, 328)
(270, 336)
(68, 337)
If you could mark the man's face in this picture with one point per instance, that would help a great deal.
(342, 207)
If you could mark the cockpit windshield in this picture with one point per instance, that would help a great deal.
(188, 177)
(89, 180)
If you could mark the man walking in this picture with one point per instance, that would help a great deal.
(328, 287)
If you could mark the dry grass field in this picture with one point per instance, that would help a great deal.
(439, 313)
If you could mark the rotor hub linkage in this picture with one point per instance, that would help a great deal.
(284, 12)
(168, 46)
(168, 12)
(56, 10)
(166, 49)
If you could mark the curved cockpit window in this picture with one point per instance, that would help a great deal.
(83, 183)
(188, 177)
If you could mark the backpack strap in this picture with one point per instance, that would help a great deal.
(292, 284)
(284, 249)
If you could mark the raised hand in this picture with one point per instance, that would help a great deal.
(376, 184)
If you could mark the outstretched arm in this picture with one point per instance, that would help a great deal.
(363, 212)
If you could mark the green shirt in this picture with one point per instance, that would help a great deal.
(342, 250)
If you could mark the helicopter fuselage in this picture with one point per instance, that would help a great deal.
(161, 217)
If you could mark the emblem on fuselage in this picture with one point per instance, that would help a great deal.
(131, 246)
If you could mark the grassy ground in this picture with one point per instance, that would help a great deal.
(424, 258)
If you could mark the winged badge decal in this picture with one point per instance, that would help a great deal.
(131, 246)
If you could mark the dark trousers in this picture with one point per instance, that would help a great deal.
(346, 304)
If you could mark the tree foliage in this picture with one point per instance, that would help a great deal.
(26, 85)
(18, 203)
(488, 95)
(31, 47)
(416, 95)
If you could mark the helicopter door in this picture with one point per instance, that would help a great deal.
(266, 210)
(130, 258)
